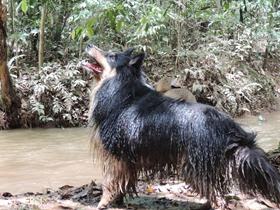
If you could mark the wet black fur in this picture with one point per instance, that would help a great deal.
(151, 132)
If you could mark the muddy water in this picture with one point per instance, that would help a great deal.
(268, 131)
(31, 160)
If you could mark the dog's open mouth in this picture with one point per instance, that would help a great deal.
(93, 66)
(96, 62)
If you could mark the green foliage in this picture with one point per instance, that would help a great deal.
(59, 96)
(24, 6)
(218, 47)
(164, 25)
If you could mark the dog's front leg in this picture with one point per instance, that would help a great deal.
(120, 179)
(108, 191)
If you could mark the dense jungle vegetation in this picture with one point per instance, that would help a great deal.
(225, 51)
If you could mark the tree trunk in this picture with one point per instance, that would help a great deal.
(11, 101)
(270, 26)
(265, 58)
(13, 31)
(12, 16)
(42, 29)
(80, 47)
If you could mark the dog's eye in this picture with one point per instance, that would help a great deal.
(112, 56)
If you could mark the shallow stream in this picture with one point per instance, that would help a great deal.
(31, 160)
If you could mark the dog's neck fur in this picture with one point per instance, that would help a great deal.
(120, 87)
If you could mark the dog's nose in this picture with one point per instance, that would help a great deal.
(89, 46)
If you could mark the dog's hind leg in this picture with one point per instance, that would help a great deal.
(120, 179)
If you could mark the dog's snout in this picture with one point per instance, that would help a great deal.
(89, 46)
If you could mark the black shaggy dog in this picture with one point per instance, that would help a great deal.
(140, 131)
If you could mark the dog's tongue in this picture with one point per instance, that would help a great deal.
(94, 67)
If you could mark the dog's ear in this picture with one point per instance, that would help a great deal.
(129, 51)
(137, 60)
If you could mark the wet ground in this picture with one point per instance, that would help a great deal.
(169, 195)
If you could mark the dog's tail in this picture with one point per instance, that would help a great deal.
(254, 172)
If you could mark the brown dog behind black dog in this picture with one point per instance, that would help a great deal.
(172, 88)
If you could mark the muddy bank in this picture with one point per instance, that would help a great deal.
(169, 195)
(274, 157)
(155, 195)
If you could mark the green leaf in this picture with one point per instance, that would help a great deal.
(165, 12)
(112, 18)
(144, 20)
(78, 30)
(73, 34)
(111, 15)
(185, 13)
(90, 32)
(24, 6)
(147, 27)
(226, 5)
(31, 2)
(112, 24)
(90, 22)
(120, 7)
(119, 25)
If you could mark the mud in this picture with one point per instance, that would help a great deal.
(168, 195)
